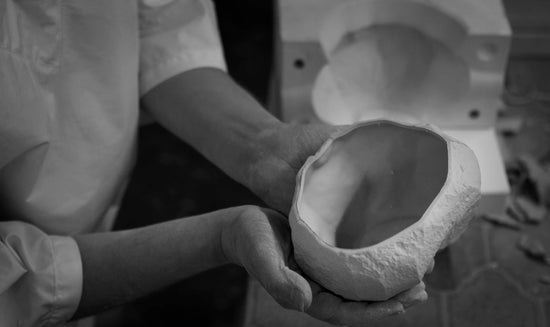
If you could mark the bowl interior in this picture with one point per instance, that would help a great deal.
(372, 183)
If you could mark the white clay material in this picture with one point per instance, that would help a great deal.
(376, 203)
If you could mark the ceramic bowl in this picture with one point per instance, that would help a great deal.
(376, 202)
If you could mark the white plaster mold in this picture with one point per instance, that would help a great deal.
(376, 202)
(418, 58)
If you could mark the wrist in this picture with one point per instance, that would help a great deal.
(229, 236)
(286, 148)
(210, 234)
(270, 161)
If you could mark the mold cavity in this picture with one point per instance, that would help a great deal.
(398, 68)
(373, 183)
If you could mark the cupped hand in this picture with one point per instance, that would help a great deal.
(331, 308)
(287, 148)
(259, 240)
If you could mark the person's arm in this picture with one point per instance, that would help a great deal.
(43, 282)
(122, 266)
(207, 109)
(119, 267)
(183, 84)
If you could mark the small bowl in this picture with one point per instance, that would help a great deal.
(376, 202)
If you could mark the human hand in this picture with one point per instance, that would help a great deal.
(259, 240)
(288, 146)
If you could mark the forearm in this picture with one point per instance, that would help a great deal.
(208, 110)
(122, 266)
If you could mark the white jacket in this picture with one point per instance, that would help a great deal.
(71, 74)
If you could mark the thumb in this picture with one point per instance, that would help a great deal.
(290, 289)
(413, 296)
(267, 258)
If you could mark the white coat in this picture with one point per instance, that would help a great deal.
(71, 74)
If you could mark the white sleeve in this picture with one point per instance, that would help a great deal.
(40, 276)
(176, 36)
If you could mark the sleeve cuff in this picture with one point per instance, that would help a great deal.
(68, 279)
(175, 38)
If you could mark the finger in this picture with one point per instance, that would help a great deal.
(289, 289)
(353, 313)
(431, 267)
(331, 308)
(413, 296)
(299, 290)
(324, 305)
(269, 265)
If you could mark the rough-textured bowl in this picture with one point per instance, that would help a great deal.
(376, 203)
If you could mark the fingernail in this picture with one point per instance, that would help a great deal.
(302, 306)
(398, 312)
(400, 309)
(431, 267)
(300, 301)
(418, 298)
(299, 304)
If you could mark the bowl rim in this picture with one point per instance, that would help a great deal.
(300, 180)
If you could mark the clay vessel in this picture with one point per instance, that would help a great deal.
(376, 202)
